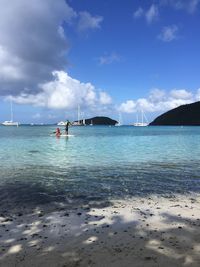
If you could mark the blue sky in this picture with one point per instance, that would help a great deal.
(106, 56)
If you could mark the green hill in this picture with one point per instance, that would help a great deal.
(100, 121)
(184, 115)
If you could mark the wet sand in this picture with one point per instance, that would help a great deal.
(151, 231)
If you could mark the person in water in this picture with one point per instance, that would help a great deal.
(58, 133)
(67, 124)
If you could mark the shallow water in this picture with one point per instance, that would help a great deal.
(98, 163)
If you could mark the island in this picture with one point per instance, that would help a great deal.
(188, 114)
(99, 120)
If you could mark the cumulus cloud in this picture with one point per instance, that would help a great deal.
(169, 33)
(157, 95)
(181, 94)
(193, 6)
(128, 107)
(160, 100)
(33, 43)
(198, 95)
(64, 92)
(9, 66)
(188, 5)
(138, 13)
(109, 59)
(152, 13)
(104, 98)
(88, 22)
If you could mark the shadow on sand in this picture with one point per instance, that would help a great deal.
(139, 232)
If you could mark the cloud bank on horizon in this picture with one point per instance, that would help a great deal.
(64, 92)
(34, 48)
(160, 100)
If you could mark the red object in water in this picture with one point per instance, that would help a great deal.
(58, 132)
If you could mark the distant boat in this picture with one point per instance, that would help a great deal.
(79, 121)
(144, 121)
(61, 123)
(91, 124)
(140, 124)
(11, 122)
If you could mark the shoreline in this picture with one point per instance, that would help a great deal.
(140, 231)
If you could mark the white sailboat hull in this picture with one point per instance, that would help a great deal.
(143, 122)
(140, 124)
(61, 123)
(10, 123)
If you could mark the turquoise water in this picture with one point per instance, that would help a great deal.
(99, 162)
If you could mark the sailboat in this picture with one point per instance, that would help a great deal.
(11, 122)
(61, 123)
(144, 121)
(79, 122)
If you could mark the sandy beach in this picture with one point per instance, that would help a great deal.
(151, 231)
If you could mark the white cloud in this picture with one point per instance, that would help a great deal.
(198, 95)
(152, 13)
(33, 42)
(193, 6)
(109, 59)
(65, 92)
(188, 5)
(9, 66)
(180, 94)
(88, 22)
(33, 46)
(138, 13)
(169, 33)
(156, 95)
(104, 98)
(159, 100)
(128, 107)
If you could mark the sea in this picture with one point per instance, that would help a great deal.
(97, 163)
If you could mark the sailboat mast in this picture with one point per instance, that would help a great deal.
(78, 113)
(11, 110)
(145, 117)
(142, 117)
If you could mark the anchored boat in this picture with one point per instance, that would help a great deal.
(11, 122)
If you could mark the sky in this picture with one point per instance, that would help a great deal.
(107, 56)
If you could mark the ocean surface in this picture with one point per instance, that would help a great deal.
(97, 163)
